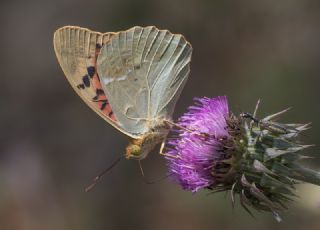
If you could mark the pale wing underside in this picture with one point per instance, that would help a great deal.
(143, 71)
(76, 50)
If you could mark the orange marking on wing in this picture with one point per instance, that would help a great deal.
(101, 99)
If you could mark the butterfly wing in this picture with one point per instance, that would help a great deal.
(143, 71)
(77, 50)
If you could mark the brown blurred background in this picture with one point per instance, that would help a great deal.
(52, 144)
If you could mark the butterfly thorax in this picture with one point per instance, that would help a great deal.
(139, 148)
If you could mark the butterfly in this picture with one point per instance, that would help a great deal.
(131, 78)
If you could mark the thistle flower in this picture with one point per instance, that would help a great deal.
(258, 160)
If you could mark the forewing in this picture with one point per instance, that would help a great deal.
(77, 50)
(143, 71)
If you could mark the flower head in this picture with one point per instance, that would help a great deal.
(196, 151)
(256, 159)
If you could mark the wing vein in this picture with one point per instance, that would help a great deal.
(163, 68)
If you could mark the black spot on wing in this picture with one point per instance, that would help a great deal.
(102, 100)
(110, 114)
(80, 86)
(98, 46)
(91, 71)
(99, 92)
(86, 80)
(103, 105)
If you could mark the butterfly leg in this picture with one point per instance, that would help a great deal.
(141, 169)
(179, 126)
(206, 135)
(144, 178)
(166, 154)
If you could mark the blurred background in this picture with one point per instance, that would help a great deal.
(52, 144)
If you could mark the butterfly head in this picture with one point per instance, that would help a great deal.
(133, 150)
(139, 148)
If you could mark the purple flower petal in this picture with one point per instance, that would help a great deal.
(193, 153)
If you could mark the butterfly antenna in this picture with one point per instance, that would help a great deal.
(97, 178)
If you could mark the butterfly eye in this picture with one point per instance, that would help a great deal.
(133, 150)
